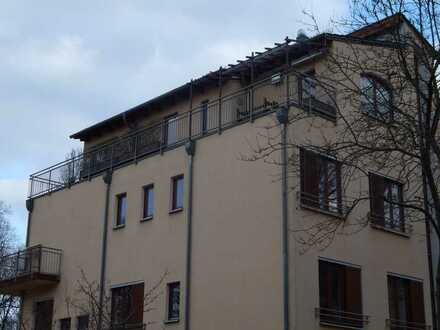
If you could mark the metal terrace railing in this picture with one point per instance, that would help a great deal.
(34, 260)
(331, 317)
(287, 87)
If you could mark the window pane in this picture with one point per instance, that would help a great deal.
(367, 96)
(65, 324)
(173, 301)
(177, 193)
(148, 202)
(83, 322)
(122, 210)
(172, 131)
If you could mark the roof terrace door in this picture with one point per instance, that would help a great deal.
(43, 315)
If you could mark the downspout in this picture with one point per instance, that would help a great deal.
(107, 178)
(282, 116)
(190, 150)
(429, 253)
(30, 208)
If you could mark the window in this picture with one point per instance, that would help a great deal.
(386, 199)
(148, 207)
(173, 307)
(406, 303)
(127, 305)
(340, 298)
(177, 193)
(308, 87)
(204, 116)
(43, 315)
(376, 99)
(121, 211)
(170, 131)
(82, 322)
(320, 182)
(65, 324)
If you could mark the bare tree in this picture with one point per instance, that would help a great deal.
(118, 311)
(9, 305)
(70, 171)
(387, 112)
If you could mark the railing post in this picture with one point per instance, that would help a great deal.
(190, 125)
(31, 193)
(50, 180)
(135, 148)
(220, 91)
(251, 91)
(40, 258)
(111, 156)
(162, 136)
(17, 263)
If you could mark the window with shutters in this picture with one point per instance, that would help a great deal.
(340, 298)
(406, 303)
(82, 322)
(320, 182)
(173, 303)
(127, 305)
(65, 324)
(386, 200)
(376, 98)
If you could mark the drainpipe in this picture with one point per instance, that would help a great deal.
(30, 208)
(282, 117)
(190, 148)
(107, 178)
(429, 254)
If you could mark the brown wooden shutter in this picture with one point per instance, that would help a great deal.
(392, 298)
(353, 290)
(417, 308)
(137, 305)
(310, 178)
(377, 188)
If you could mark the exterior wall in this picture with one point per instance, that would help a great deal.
(236, 260)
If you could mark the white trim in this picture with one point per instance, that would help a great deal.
(406, 277)
(115, 286)
(343, 263)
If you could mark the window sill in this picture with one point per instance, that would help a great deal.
(319, 210)
(118, 227)
(147, 219)
(176, 210)
(171, 321)
(390, 230)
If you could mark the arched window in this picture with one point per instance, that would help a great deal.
(376, 97)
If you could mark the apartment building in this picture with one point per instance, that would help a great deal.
(163, 213)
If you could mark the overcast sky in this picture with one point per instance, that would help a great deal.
(65, 65)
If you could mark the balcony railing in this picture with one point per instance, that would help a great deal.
(331, 317)
(401, 226)
(404, 325)
(137, 326)
(244, 105)
(24, 269)
(336, 207)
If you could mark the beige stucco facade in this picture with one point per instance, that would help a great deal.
(236, 280)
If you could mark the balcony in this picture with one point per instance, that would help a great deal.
(341, 319)
(255, 100)
(29, 269)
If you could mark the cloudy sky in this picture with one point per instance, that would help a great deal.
(65, 65)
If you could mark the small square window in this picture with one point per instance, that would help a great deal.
(148, 202)
(173, 307)
(121, 210)
(177, 193)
